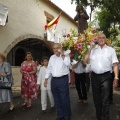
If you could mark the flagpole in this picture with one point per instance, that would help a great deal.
(56, 24)
(54, 21)
(56, 27)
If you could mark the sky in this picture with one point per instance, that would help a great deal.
(68, 7)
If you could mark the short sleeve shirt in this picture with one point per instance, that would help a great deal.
(101, 59)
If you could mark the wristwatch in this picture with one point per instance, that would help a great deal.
(62, 55)
(116, 78)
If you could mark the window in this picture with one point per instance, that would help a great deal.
(49, 17)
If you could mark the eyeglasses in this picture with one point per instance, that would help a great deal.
(56, 48)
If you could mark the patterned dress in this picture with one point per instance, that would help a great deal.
(28, 83)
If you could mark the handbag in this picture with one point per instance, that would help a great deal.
(5, 83)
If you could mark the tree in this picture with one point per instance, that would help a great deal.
(116, 43)
(109, 14)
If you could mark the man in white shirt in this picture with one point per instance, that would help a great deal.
(58, 67)
(102, 58)
(45, 90)
(80, 81)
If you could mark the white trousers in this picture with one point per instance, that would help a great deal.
(44, 94)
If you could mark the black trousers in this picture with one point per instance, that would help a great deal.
(111, 88)
(80, 84)
(101, 84)
(87, 81)
(119, 79)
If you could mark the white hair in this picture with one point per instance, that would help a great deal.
(58, 44)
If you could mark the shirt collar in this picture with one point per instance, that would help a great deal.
(57, 56)
(44, 67)
(97, 46)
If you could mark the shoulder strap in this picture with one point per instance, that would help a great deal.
(10, 80)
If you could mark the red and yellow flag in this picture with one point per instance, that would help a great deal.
(54, 21)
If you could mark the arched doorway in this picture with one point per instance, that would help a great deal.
(19, 56)
(37, 47)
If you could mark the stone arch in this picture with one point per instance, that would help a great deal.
(21, 38)
(19, 54)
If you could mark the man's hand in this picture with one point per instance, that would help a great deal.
(92, 45)
(45, 82)
(115, 83)
(74, 66)
(116, 73)
(61, 51)
(87, 56)
(83, 65)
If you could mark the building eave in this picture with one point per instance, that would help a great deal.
(59, 10)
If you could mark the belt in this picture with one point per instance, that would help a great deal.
(101, 73)
(80, 73)
(60, 77)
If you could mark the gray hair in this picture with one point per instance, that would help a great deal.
(58, 44)
(101, 34)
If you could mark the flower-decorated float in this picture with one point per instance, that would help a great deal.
(76, 45)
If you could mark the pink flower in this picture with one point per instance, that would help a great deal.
(71, 54)
(94, 31)
(68, 35)
(95, 40)
(80, 38)
(79, 45)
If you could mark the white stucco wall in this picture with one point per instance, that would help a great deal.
(27, 17)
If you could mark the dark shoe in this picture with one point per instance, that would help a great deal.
(80, 101)
(66, 118)
(85, 101)
(43, 112)
(0, 111)
(52, 109)
(59, 118)
(11, 110)
(111, 102)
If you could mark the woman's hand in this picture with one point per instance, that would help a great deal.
(38, 87)
(0, 74)
(3, 74)
(29, 73)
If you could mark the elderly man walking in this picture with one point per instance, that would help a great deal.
(102, 58)
(58, 67)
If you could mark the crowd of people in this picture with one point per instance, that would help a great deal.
(52, 78)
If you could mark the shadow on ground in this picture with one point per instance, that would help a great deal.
(79, 111)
